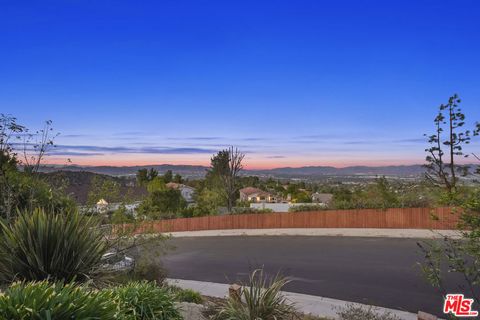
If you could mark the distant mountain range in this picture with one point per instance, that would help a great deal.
(401, 171)
(286, 172)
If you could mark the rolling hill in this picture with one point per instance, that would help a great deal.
(290, 172)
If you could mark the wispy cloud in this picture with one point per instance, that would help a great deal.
(74, 135)
(91, 150)
(195, 138)
(412, 140)
(254, 139)
(318, 136)
(149, 150)
(209, 138)
(73, 153)
(130, 133)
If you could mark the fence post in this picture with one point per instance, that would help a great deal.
(234, 292)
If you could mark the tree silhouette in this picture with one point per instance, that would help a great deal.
(446, 145)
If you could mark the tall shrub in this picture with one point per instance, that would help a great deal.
(60, 247)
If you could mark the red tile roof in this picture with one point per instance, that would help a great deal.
(251, 190)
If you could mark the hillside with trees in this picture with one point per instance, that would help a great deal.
(84, 186)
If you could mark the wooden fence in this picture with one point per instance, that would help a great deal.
(397, 218)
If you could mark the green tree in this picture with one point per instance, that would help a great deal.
(161, 202)
(168, 176)
(144, 176)
(164, 204)
(384, 194)
(301, 197)
(207, 202)
(207, 197)
(103, 188)
(152, 174)
(120, 216)
(157, 184)
(178, 178)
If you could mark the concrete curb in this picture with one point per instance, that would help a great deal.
(314, 305)
(328, 232)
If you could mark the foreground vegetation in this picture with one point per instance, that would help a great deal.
(50, 300)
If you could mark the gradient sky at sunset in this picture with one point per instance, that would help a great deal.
(291, 83)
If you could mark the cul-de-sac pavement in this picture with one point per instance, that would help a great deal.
(377, 271)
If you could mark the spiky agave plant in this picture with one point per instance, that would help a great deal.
(260, 299)
(59, 247)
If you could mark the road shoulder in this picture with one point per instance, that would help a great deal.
(324, 232)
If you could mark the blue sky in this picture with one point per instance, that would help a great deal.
(289, 82)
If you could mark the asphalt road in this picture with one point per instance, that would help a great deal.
(378, 271)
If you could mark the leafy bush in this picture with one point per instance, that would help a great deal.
(352, 312)
(149, 267)
(456, 255)
(243, 210)
(55, 301)
(186, 295)
(145, 300)
(146, 250)
(162, 204)
(307, 207)
(26, 191)
(207, 200)
(60, 247)
(262, 300)
(120, 216)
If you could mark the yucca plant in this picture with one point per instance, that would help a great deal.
(260, 299)
(55, 301)
(145, 300)
(58, 247)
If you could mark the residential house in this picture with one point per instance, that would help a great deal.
(322, 198)
(102, 206)
(186, 191)
(256, 195)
